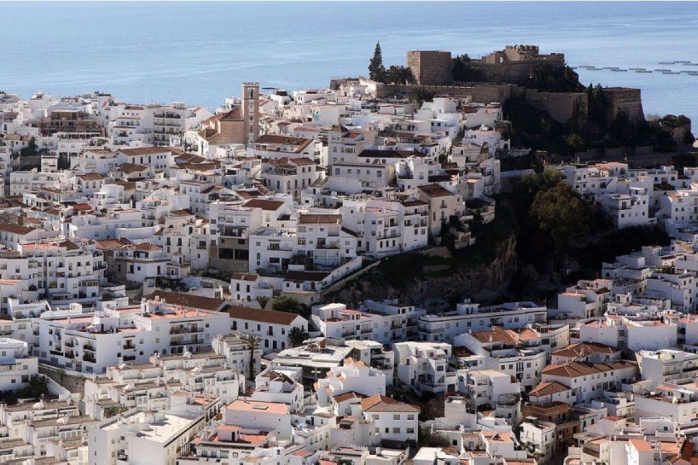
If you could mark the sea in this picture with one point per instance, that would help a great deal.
(200, 52)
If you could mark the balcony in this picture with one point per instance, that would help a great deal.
(280, 249)
(331, 246)
(179, 342)
(186, 329)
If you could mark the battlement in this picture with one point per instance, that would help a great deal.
(535, 49)
(523, 54)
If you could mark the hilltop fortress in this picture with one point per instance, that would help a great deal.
(512, 65)
(506, 70)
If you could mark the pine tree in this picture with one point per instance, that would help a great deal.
(376, 70)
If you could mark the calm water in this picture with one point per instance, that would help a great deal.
(199, 53)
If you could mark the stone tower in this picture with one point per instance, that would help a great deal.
(250, 110)
(430, 67)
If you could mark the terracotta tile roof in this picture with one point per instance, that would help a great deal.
(372, 153)
(320, 219)
(245, 194)
(348, 395)
(188, 158)
(380, 403)
(129, 168)
(506, 336)
(15, 229)
(576, 369)
(147, 151)
(548, 388)
(292, 162)
(91, 177)
(641, 445)
(233, 115)
(434, 190)
(147, 246)
(414, 203)
(266, 205)
(107, 244)
(69, 245)
(262, 316)
(584, 349)
(245, 276)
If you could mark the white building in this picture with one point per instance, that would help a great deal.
(18, 367)
(469, 316)
(424, 366)
(271, 327)
(393, 420)
(353, 376)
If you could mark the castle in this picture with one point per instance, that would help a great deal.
(512, 65)
(515, 63)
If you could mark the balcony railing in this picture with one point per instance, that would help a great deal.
(186, 330)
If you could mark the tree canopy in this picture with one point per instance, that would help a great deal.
(399, 75)
(35, 389)
(562, 214)
(420, 95)
(461, 70)
(287, 304)
(549, 78)
(297, 336)
(537, 182)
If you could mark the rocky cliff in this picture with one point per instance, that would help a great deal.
(436, 278)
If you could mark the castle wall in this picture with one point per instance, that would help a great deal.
(561, 107)
(627, 100)
(484, 93)
(515, 63)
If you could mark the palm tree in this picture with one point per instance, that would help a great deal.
(399, 75)
(297, 336)
(253, 341)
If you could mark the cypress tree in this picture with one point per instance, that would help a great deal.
(376, 70)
